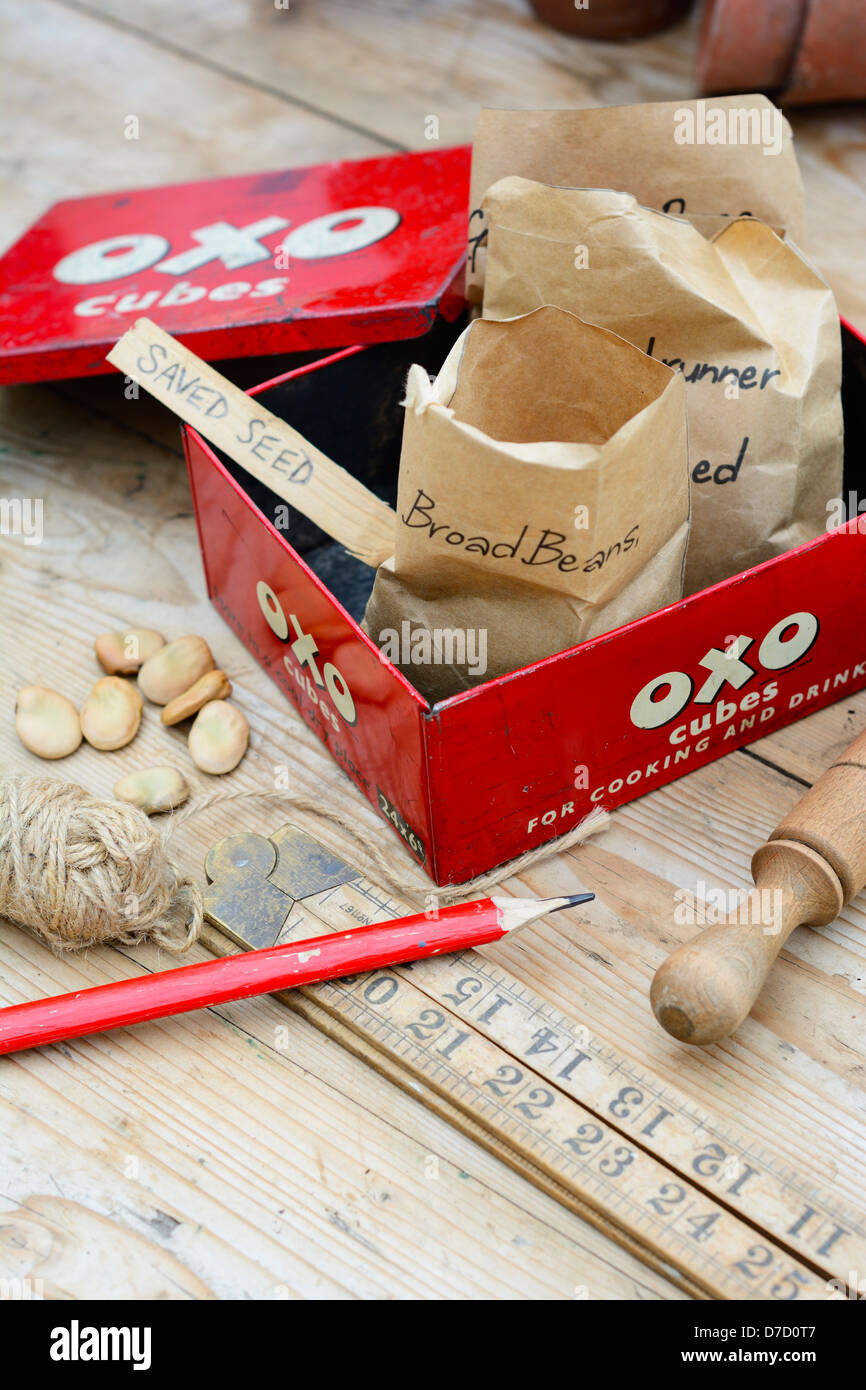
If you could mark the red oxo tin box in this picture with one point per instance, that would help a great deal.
(288, 261)
(494, 771)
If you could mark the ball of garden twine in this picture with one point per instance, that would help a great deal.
(79, 871)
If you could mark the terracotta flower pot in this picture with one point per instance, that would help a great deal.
(611, 19)
(747, 45)
(831, 59)
(800, 50)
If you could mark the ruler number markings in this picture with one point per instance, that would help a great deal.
(583, 1068)
(597, 1153)
(467, 997)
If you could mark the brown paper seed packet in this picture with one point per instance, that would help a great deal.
(747, 322)
(542, 499)
(706, 160)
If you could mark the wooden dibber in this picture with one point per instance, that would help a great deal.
(816, 861)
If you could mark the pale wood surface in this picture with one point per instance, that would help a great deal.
(196, 1157)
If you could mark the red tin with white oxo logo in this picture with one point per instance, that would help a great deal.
(492, 772)
(370, 254)
(297, 259)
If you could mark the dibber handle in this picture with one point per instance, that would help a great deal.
(816, 861)
(705, 989)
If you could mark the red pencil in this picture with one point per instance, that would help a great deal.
(261, 972)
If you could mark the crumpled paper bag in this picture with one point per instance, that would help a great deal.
(542, 499)
(748, 322)
(707, 160)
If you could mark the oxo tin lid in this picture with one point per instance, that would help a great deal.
(319, 257)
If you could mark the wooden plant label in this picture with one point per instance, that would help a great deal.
(267, 447)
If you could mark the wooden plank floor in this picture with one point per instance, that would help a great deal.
(197, 1157)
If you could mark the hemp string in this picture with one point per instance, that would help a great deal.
(80, 871)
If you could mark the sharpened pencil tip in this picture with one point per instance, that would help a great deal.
(573, 901)
(519, 912)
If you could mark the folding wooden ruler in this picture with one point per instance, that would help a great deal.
(682, 1191)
